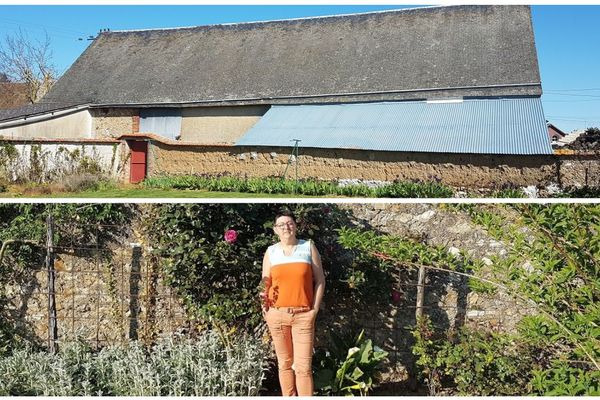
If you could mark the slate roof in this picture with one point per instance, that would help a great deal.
(32, 110)
(12, 95)
(431, 52)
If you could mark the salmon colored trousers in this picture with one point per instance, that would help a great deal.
(293, 338)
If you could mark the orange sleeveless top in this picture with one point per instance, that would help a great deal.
(291, 276)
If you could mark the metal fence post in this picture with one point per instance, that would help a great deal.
(420, 293)
(135, 277)
(52, 327)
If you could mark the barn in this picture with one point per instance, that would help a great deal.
(449, 93)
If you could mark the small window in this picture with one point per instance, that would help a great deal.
(161, 121)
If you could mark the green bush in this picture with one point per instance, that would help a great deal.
(218, 280)
(473, 363)
(551, 266)
(350, 366)
(203, 367)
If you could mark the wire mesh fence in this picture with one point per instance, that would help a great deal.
(98, 291)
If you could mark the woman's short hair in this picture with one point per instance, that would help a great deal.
(284, 213)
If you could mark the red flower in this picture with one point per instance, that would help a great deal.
(231, 236)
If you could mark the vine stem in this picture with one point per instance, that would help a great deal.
(500, 286)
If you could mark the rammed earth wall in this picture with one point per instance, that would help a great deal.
(458, 170)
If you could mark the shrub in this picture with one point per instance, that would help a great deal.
(473, 363)
(204, 367)
(84, 181)
(350, 366)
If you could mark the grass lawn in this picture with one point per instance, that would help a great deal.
(132, 191)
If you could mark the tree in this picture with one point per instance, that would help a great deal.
(27, 61)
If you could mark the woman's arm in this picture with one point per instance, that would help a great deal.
(318, 277)
(266, 282)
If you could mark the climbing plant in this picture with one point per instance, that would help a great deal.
(552, 266)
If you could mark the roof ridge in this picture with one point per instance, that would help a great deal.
(227, 24)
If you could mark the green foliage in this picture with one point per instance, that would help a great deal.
(350, 366)
(564, 379)
(308, 187)
(217, 280)
(8, 156)
(203, 367)
(389, 250)
(476, 363)
(552, 266)
(509, 193)
(585, 192)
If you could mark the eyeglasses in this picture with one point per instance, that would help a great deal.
(288, 224)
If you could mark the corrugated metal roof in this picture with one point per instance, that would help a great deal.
(484, 126)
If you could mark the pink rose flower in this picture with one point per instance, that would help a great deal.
(231, 236)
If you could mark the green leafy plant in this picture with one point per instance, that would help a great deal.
(472, 362)
(551, 267)
(309, 187)
(350, 366)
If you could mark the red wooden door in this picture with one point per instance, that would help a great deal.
(139, 151)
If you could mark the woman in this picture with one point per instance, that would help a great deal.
(294, 287)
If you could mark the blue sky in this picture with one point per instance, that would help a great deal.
(567, 40)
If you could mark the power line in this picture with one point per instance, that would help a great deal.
(571, 94)
(571, 101)
(39, 26)
(574, 90)
(586, 120)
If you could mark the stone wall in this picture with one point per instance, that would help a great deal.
(104, 297)
(113, 122)
(457, 170)
(579, 169)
